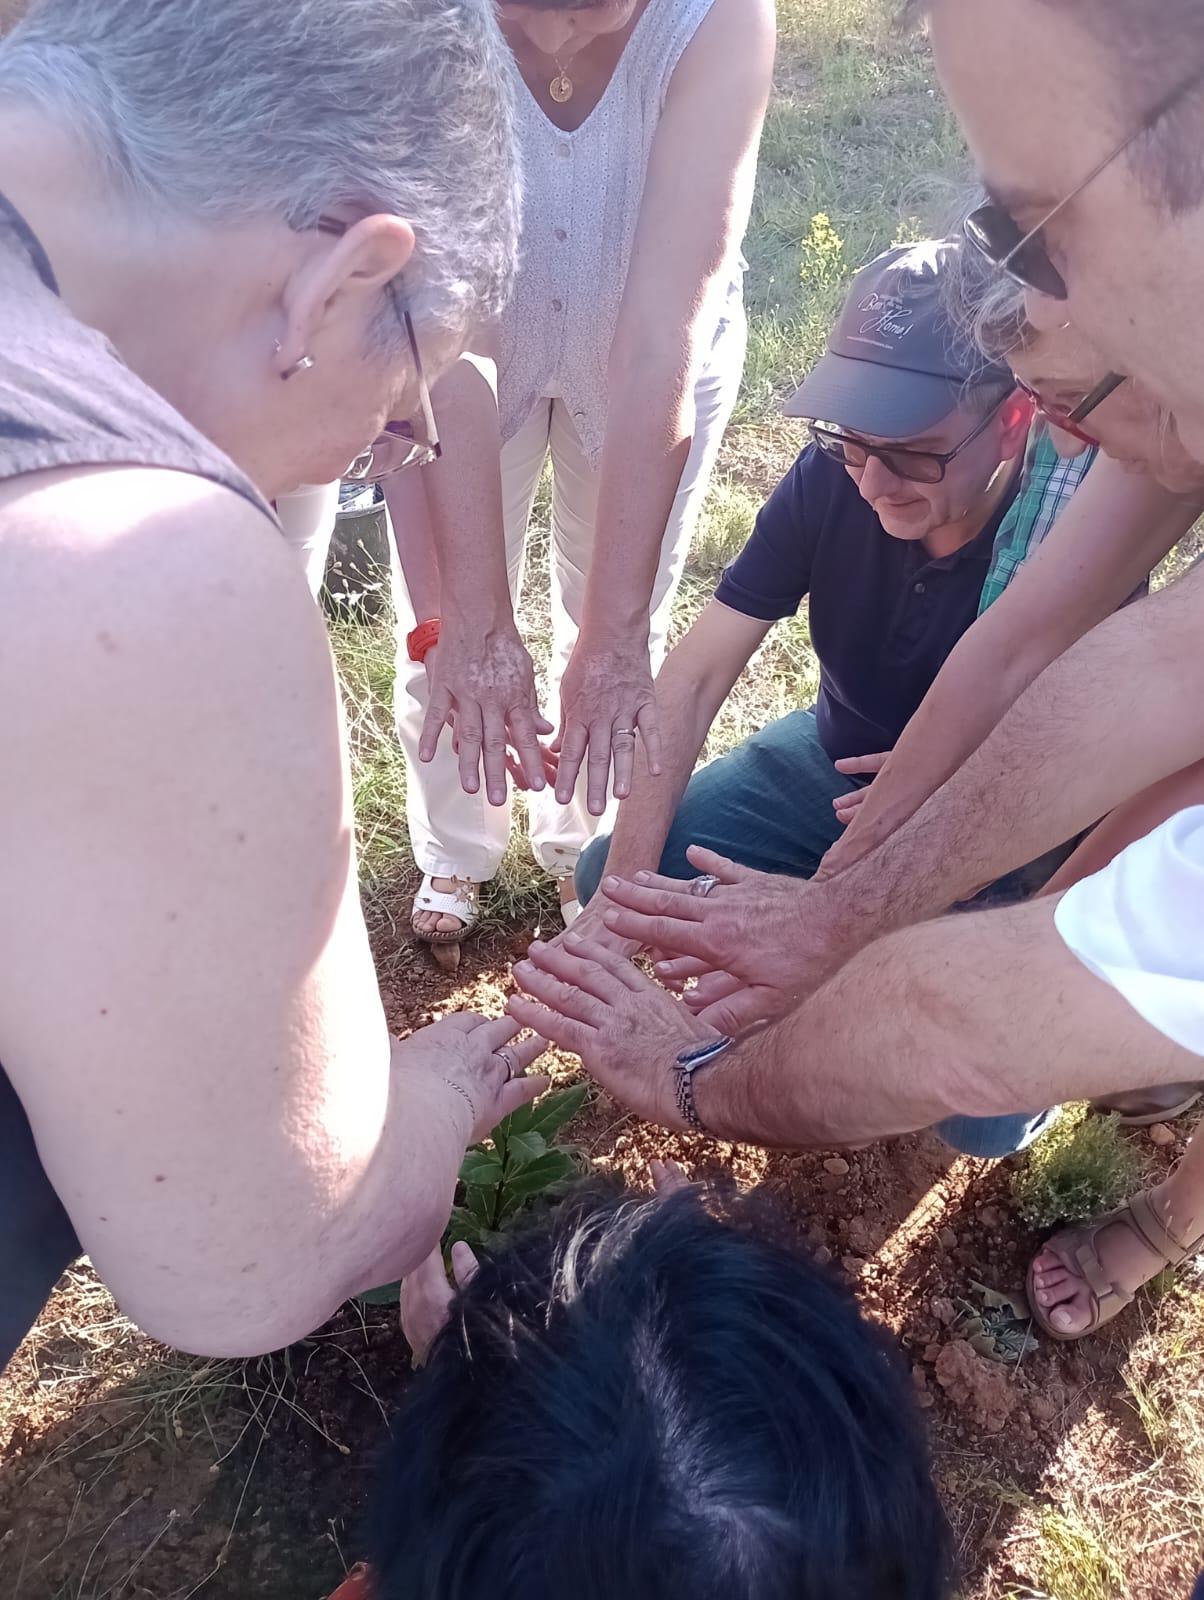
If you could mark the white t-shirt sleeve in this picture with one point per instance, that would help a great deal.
(1139, 925)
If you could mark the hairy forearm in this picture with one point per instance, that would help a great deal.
(1115, 530)
(1106, 720)
(973, 1015)
(972, 691)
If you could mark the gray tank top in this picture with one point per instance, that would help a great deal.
(66, 400)
(66, 397)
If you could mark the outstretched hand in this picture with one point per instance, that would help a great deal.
(627, 1029)
(485, 689)
(482, 1058)
(749, 927)
(606, 699)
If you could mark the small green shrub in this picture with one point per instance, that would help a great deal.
(519, 1167)
(1081, 1168)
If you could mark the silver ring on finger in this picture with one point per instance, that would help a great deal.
(628, 732)
(703, 885)
(509, 1060)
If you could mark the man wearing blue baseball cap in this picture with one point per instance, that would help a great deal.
(886, 524)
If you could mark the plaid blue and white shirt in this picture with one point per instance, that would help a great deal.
(1046, 486)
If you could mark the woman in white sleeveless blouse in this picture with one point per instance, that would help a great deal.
(620, 357)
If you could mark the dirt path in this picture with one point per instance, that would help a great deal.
(125, 1472)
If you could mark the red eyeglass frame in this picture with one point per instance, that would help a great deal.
(1070, 421)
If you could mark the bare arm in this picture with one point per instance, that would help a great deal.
(1111, 716)
(1114, 532)
(694, 212)
(696, 679)
(188, 1006)
(976, 1015)
(448, 524)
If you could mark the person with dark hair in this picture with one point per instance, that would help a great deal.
(618, 363)
(647, 1399)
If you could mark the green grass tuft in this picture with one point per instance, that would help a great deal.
(1083, 1167)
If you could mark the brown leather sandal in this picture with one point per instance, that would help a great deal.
(1076, 1249)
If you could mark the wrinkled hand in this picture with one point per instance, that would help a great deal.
(485, 687)
(590, 928)
(755, 927)
(627, 1029)
(606, 695)
(426, 1298)
(462, 1050)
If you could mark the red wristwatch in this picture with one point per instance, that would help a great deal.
(423, 638)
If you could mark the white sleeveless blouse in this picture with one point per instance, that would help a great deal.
(581, 201)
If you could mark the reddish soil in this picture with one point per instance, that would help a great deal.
(122, 1475)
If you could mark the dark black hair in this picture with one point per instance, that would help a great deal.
(643, 1400)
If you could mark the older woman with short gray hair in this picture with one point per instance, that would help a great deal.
(227, 229)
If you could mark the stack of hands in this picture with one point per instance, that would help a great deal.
(730, 949)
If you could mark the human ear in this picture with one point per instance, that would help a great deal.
(341, 278)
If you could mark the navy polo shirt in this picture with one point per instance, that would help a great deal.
(884, 614)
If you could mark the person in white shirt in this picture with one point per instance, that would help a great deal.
(618, 360)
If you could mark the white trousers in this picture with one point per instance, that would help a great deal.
(307, 516)
(454, 834)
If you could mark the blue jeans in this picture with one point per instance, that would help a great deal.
(768, 804)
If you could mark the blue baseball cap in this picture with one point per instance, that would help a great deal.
(895, 365)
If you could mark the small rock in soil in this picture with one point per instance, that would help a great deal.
(947, 1239)
(1161, 1134)
(991, 1217)
(981, 1386)
(837, 1166)
(830, 1183)
(944, 1311)
(822, 1255)
(860, 1236)
(853, 1265)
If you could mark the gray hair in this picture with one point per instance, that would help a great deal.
(228, 109)
(985, 306)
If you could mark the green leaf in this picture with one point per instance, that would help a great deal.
(552, 1113)
(523, 1148)
(464, 1228)
(481, 1203)
(386, 1295)
(538, 1177)
(481, 1168)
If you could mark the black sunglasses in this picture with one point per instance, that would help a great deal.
(996, 235)
(917, 466)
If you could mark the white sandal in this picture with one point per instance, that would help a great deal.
(463, 902)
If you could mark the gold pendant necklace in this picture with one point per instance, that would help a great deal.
(561, 86)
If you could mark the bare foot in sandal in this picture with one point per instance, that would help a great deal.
(1085, 1276)
(444, 921)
